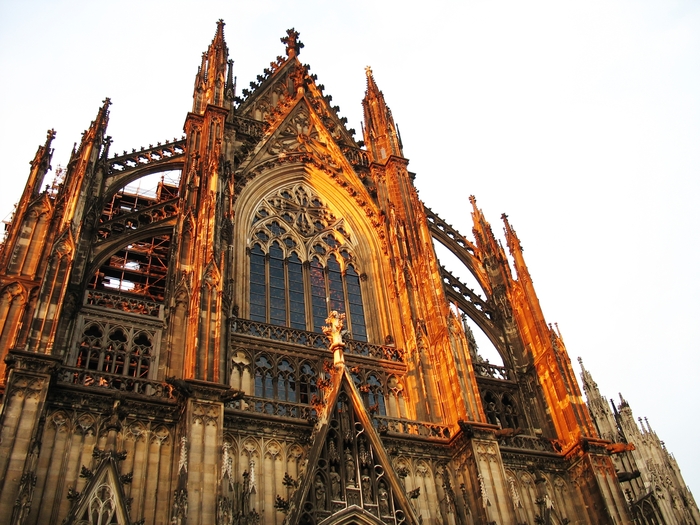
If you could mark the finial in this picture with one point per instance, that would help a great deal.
(334, 331)
(368, 71)
(292, 42)
(472, 199)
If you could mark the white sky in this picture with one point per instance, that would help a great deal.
(580, 120)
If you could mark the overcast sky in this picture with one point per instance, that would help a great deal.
(580, 120)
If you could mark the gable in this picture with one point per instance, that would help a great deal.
(102, 502)
(349, 477)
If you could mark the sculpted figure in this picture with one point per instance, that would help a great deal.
(320, 490)
(383, 496)
(366, 487)
(349, 467)
(335, 484)
(334, 331)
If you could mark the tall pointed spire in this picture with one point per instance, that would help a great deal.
(598, 406)
(380, 132)
(211, 83)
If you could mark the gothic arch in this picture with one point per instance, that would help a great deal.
(13, 299)
(364, 241)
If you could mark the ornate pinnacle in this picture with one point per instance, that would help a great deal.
(292, 42)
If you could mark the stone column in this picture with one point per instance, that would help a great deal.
(28, 379)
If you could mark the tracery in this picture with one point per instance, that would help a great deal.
(303, 264)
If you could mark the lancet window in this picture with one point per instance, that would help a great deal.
(284, 379)
(501, 409)
(118, 350)
(303, 264)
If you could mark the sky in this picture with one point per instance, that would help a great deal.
(580, 120)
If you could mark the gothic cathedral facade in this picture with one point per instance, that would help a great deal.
(266, 336)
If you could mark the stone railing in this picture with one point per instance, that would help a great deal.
(312, 339)
(538, 444)
(272, 407)
(253, 128)
(132, 385)
(135, 220)
(151, 155)
(413, 428)
(356, 156)
(493, 371)
(438, 224)
(130, 305)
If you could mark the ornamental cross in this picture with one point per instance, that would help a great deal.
(292, 42)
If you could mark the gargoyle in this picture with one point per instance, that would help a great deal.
(627, 476)
(617, 448)
(232, 395)
(508, 432)
(182, 387)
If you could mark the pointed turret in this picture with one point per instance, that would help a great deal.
(40, 166)
(491, 249)
(81, 165)
(211, 85)
(598, 406)
(380, 132)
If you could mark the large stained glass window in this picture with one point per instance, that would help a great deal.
(302, 264)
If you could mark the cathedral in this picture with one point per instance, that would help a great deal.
(250, 326)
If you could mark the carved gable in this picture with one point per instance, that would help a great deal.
(103, 501)
(349, 473)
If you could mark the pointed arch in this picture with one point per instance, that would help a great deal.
(13, 299)
(29, 243)
(302, 262)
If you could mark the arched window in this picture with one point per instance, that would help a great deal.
(302, 265)
(122, 351)
(263, 377)
(307, 383)
(286, 384)
(510, 411)
(375, 395)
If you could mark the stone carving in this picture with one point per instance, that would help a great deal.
(366, 486)
(335, 484)
(383, 497)
(182, 464)
(179, 512)
(517, 504)
(349, 468)
(320, 492)
(485, 502)
(334, 331)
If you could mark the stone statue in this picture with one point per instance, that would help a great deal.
(320, 491)
(366, 487)
(335, 484)
(383, 496)
(349, 467)
(334, 331)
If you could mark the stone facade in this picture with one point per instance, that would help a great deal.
(267, 337)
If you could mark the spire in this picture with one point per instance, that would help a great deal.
(211, 80)
(40, 165)
(516, 251)
(485, 239)
(598, 407)
(82, 162)
(380, 132)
